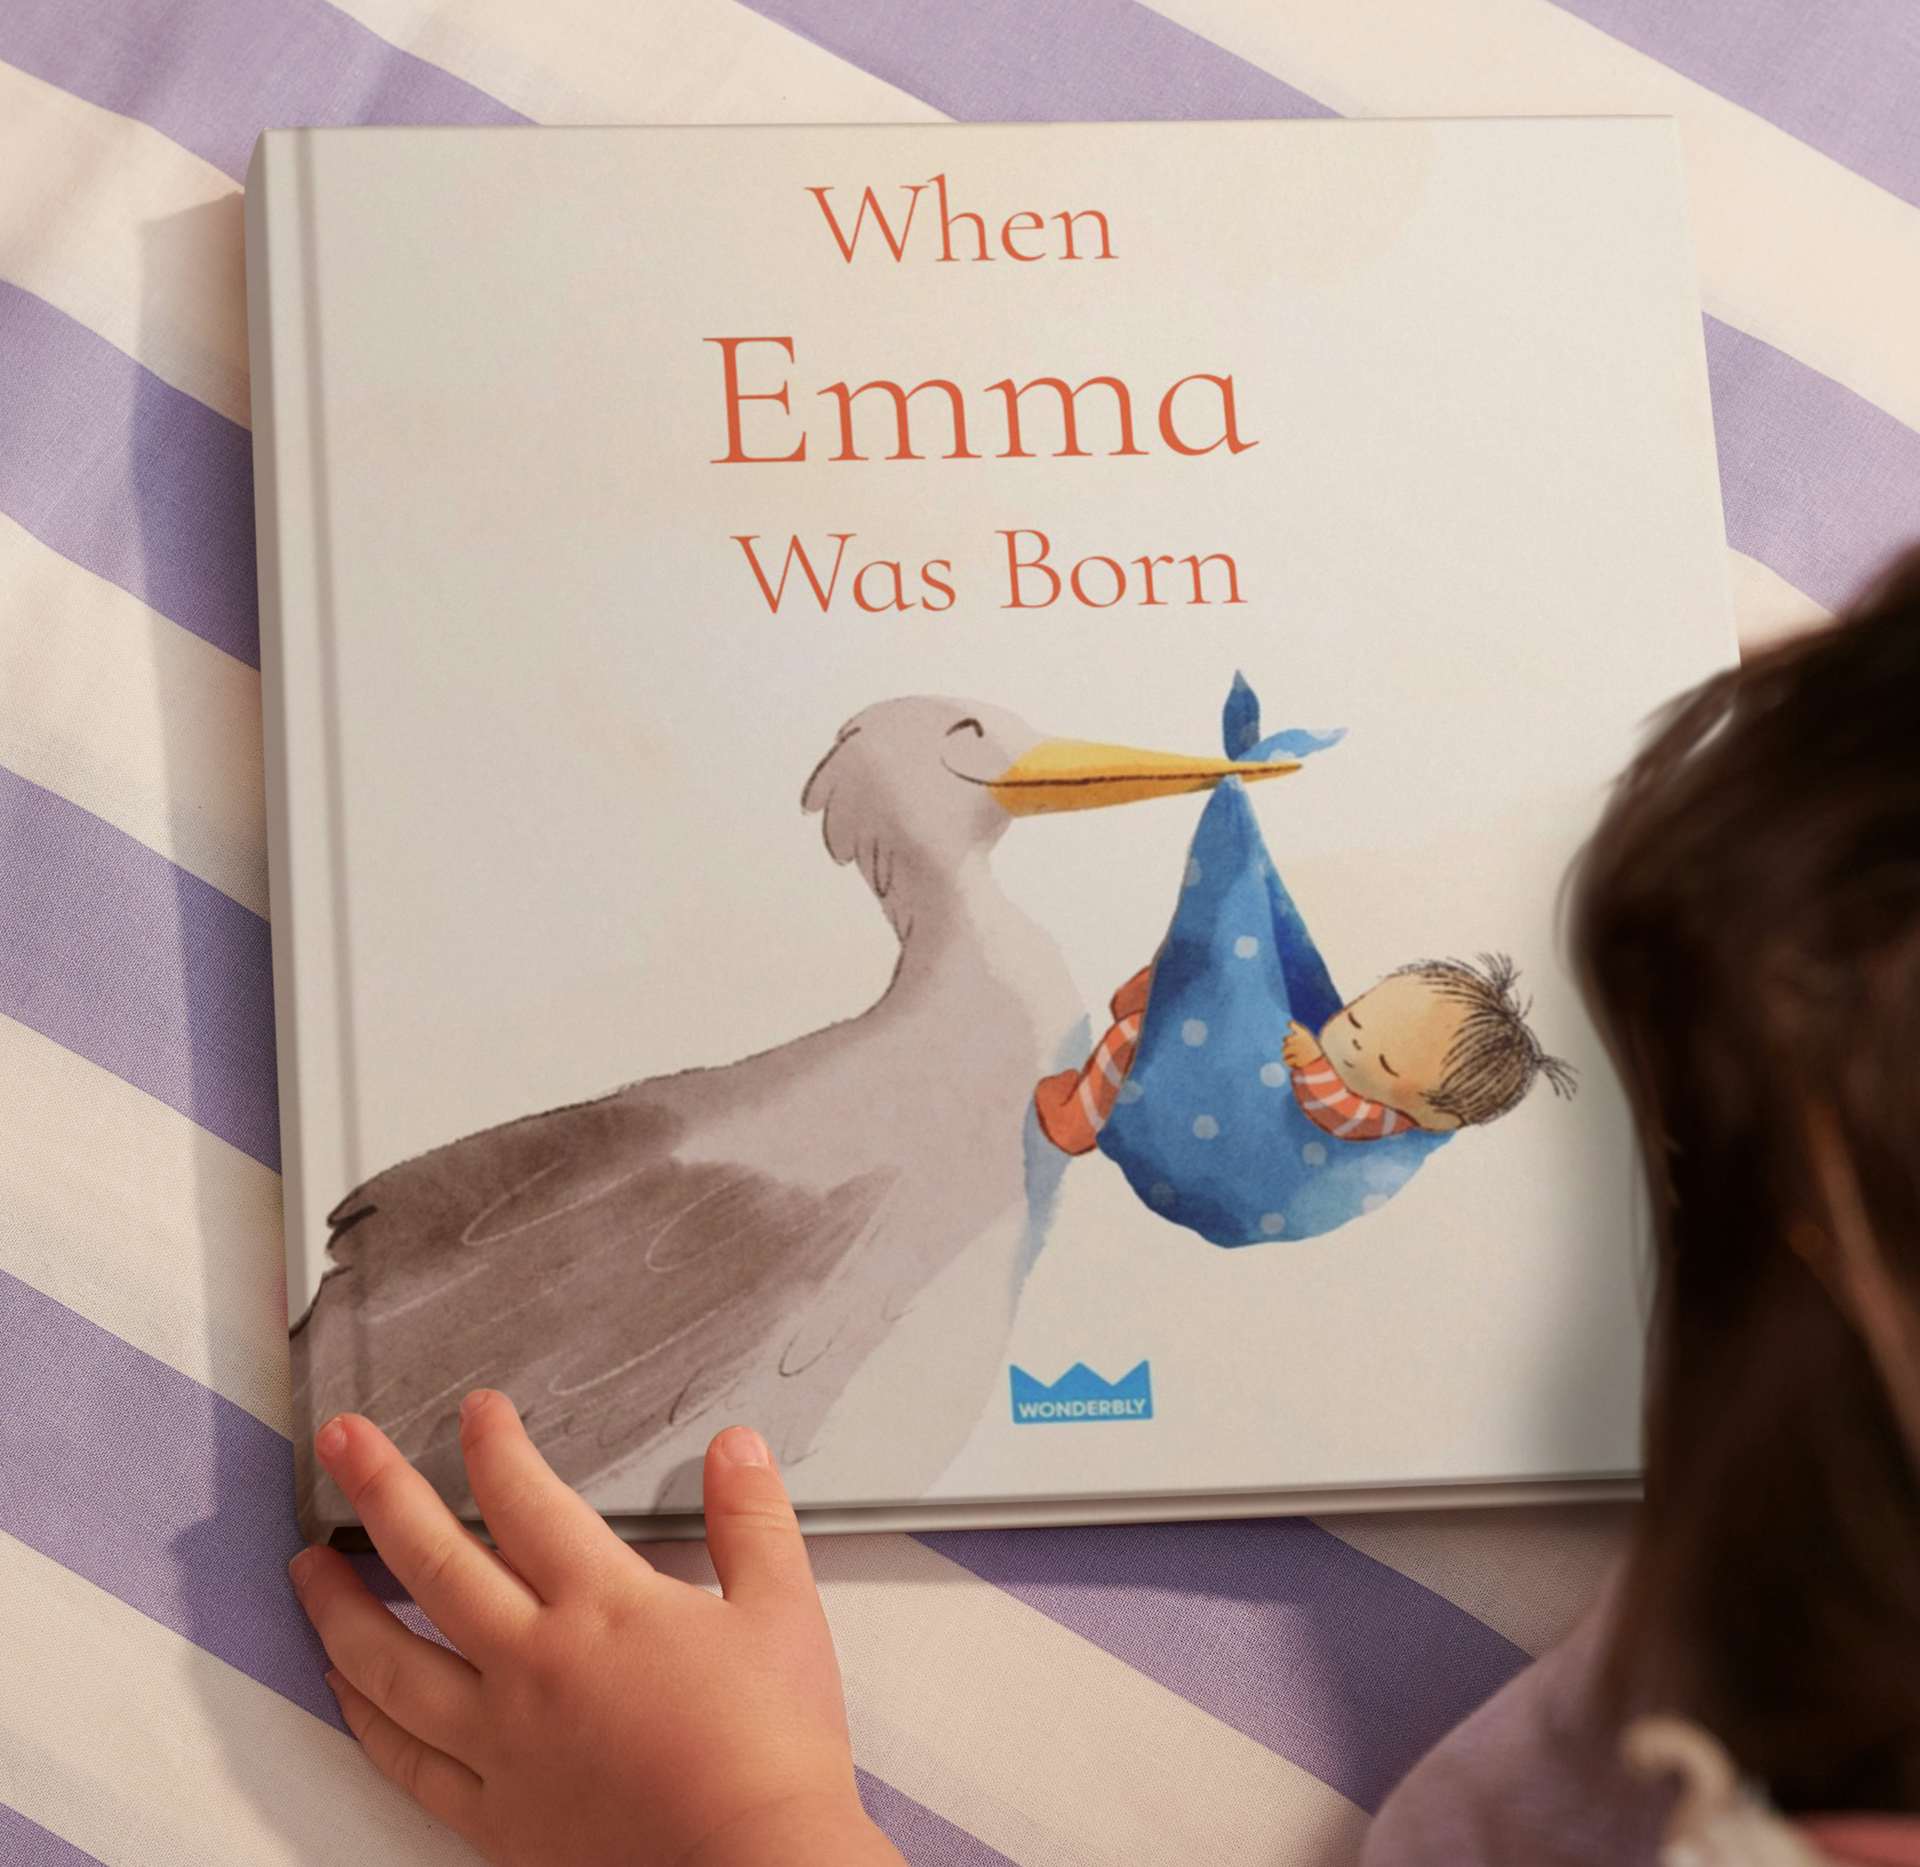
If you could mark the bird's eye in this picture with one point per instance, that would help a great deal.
(1385, 1065)
(967, 726)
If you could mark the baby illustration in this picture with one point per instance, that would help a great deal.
(1439, 1044)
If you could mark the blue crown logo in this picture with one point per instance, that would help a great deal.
(1080, 1394)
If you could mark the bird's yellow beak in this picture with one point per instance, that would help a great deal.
(1081, 774)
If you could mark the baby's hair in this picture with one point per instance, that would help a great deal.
(1496, 1058)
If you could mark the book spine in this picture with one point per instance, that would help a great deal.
(289, 522)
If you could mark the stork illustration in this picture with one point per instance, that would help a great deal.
(743, 1237)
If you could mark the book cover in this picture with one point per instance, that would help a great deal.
(918, 783)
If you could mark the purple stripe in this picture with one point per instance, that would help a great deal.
(27, 1844)
(132, 963)
(1009, 61)
(213, 74)
(1327, 1657)
(1818, 483)
(385, 1587)
(924, 1838)
(1842, 78)
(153, 1488)
(161, 1492)
(126, 475)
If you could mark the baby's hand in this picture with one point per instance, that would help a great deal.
(1301, 1050)
(597, 1711)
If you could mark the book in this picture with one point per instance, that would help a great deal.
(918, 783)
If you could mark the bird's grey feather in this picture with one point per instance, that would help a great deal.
(573, 1261)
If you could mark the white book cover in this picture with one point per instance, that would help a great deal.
(919, 780)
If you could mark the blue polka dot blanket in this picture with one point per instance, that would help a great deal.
(1206, 1127)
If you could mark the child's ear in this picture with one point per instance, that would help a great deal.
(1441, 1121)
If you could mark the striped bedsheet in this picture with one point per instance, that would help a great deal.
(1242, 1692)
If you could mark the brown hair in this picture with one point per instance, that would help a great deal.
(1496, 1058)
(1746, 921)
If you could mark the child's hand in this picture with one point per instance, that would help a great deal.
(1301, 1050)
(597, 1711)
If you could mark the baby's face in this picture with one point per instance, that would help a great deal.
(1390, 1045)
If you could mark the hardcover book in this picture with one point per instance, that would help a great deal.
(918, 784)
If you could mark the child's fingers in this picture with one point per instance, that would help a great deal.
(422, 1687)
(469, 1594)
(752, 1534)
(549, 1533)
(447, 1790)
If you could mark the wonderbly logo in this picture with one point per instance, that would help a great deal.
(1080, 1394)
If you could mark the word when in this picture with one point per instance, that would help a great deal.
(1022, 236)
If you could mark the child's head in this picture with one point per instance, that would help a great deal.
(1747, 919)
(1444, 1042)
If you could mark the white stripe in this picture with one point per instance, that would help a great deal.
(1352, 1122)
(136, 1217)
(1090, 1108)
(139, 1748)
(131, 717)
(1793, 247)
(1108, 1068)
(126, 231)
(1528, 1572)
(1766, 606)
(1036, 1741)
(668, 61)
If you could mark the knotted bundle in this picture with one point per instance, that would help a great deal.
(1206, 1127)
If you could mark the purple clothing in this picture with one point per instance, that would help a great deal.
(1532, 1779)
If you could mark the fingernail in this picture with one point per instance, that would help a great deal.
(741, 1445)
(331, 1440)
(333, 1681)
(299, 1567)
(473, 1400)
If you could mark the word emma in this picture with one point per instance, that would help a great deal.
(1024, 236)
(1195, 415)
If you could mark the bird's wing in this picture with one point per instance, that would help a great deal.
(575, 1261)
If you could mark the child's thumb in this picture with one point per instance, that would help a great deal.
(752, 1533)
